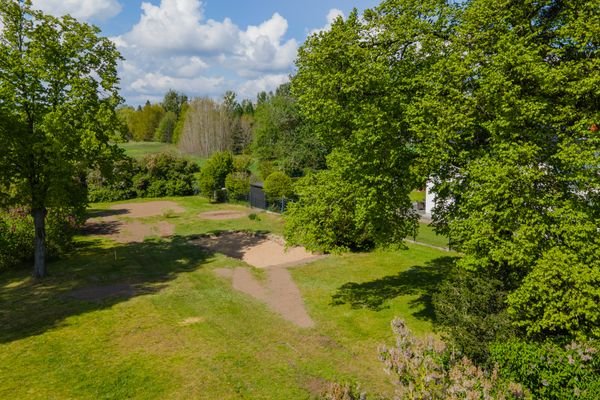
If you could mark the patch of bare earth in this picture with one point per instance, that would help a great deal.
(223, 215)
(279, 291)
(109, 223)
(149, 209)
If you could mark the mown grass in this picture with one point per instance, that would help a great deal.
(142, 345)
(427, 235)
(138, 150)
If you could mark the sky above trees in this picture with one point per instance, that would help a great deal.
(204, 48)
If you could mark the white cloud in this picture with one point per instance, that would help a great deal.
(332, 15)
(174, 45)
(80, 9)
(251, 88)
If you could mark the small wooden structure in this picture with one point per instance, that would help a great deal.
(258, 198)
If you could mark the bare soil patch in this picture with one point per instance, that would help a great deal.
(223, 215)
(110, 224)
(279, 292)
(260, 251)
(149, 209)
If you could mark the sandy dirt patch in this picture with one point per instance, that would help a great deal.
(223, 215)
(279, 292)
(260, 251)
(109, 223)
(149, 209)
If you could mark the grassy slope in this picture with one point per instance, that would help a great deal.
(140, 149)
(53, 346)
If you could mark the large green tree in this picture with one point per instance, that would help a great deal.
(509, 119)
(58, 93)
(353, 86)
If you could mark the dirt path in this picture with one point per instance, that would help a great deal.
(279, 292)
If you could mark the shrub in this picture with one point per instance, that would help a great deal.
(278, 186)
(17, 234)
(237, 185)
(165, 174)
(266, 168)
(424, 369)
(471, 307)
(213, 174)
(241, 163)
(551, 371)
(115, 184)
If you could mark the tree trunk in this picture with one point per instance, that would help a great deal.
(39, 222)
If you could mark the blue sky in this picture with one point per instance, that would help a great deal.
(204, 47)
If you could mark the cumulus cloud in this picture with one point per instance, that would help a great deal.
(332, 15)
(174, 45)
(80, 9)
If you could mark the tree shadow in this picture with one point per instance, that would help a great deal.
(102, 213)
(417, 280)
(231, 244)
(94, 278)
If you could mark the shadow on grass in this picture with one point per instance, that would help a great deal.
(94, 278)
(418, 280)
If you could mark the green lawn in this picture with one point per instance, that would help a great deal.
(139, 345)
(140, 149)
(427, 235)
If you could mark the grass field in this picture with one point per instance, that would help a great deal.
(139, 345)
(140, 149)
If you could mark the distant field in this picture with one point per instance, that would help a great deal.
(185, 332)
(140, 149)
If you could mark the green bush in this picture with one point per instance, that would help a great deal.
(17, 233)
(115, 184)
(551, 371)
(471, 307)
(237, 185)
(278, 186)
(213, 174)
(242, 162)
(266, 168)
(165, 174)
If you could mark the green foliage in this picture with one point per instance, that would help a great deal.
(166, 127)
(551, 371)
(471, 309)
(559, 297)
(58, 94)
(144, 123)
(505, 122)
(174, 102)
(165, 174)
(266, 168)
(213, 174)
(324, 216)
(278, 186)
(242, 163)
(113, 184)
(280, 134)
(178, 130)
(237, 185)
(17, 233)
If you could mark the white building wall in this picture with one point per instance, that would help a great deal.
(429, 198)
